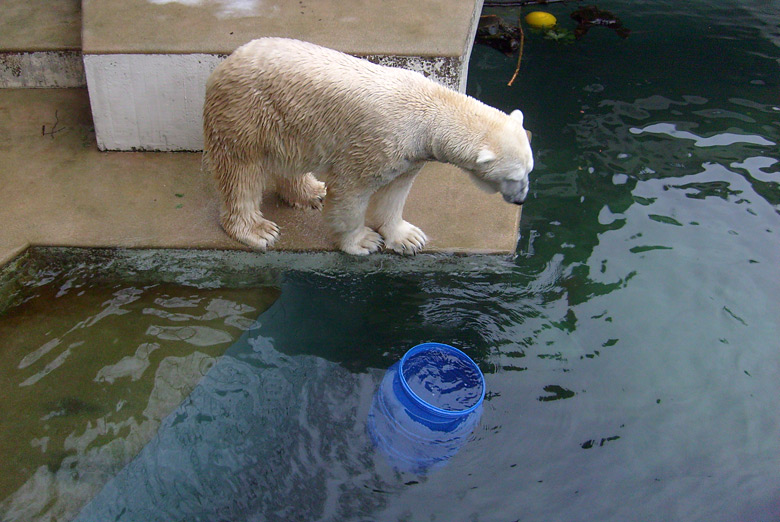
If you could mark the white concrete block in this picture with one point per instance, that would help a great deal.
(155, 101)
(148, 101)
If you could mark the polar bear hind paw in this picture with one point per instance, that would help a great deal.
(404, 238)
(361, 243)
(308, 192)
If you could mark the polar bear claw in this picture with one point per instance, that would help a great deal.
(363, 242)
(254, 230)
(404, 238)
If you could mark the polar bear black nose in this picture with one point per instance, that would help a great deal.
(514, 191)
(517, 199)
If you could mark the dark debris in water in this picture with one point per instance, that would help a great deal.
(702, 190)
(494, 32)
(591, 16)
(558, 393)
(593, 442)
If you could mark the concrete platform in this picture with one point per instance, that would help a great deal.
(57, 188)
(147, 61)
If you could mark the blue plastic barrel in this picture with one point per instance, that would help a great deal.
(426, 407)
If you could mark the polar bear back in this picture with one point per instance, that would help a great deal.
(312, 107)
(287, 89)
(291, 68)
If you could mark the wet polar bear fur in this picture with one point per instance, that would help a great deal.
(288, 112)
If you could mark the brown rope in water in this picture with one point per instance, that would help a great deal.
(520, 54)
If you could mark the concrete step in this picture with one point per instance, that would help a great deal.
(147, 60)
(40, 44)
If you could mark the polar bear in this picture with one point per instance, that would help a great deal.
(289, 112)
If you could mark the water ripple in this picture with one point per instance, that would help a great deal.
(718, 140)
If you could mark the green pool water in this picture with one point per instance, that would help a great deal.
(631, 348)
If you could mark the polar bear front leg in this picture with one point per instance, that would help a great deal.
(345, 214)
(385, 215)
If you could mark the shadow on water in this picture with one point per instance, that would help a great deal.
(370, 321)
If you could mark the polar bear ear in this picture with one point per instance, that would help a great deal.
(516, 114)
(485, 155)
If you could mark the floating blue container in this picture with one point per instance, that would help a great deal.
(426, 406)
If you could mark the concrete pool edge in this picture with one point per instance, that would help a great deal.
(232, 267)
(174, 260)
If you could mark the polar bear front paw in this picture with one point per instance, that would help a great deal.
(404, 238)
(362, 242)
(258, 232)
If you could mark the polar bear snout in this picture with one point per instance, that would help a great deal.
(514, 191)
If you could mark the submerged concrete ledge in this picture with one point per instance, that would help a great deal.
(59, 190)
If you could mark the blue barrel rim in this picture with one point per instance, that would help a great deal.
(425, 404)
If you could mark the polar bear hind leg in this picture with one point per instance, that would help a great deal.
(242, 191)
(301, 191)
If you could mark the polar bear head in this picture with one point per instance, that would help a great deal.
(504, 160)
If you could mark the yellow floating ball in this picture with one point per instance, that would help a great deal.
(540, 20)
